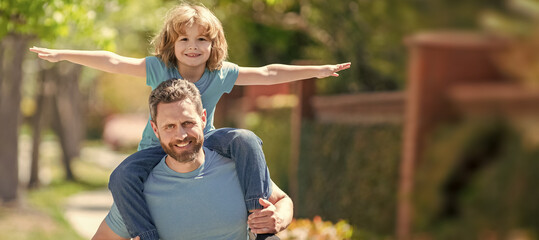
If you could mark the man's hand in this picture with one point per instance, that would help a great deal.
(46, 54)
(266, 220)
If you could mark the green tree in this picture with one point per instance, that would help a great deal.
(21, 22)
(370, 34)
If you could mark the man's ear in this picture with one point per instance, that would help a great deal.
(203, 117)
(154, 127)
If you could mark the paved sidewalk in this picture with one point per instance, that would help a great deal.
(85, 211)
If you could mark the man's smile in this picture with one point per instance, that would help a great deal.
(182, 144)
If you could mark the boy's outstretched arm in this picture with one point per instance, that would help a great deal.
(100, 60)
(281, 73)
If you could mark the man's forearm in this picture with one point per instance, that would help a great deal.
(284, 206)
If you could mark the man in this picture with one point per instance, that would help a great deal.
(194, 193)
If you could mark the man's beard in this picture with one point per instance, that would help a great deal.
(186, 155)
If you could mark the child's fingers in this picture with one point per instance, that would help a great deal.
(34, 50)
(343, 66)
(340, 67)
(37, 50)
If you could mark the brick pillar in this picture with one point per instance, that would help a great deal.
(437, 62)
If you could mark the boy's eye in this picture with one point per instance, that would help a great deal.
(182, 39)
(202, 39)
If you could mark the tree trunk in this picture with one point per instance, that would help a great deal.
(68, 123)
(14, 48)
(2, 47)
(41, 120)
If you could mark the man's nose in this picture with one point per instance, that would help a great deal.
(180, 134)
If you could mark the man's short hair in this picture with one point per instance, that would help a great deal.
(174, 90)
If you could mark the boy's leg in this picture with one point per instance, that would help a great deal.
(126, 184)
(245, 148)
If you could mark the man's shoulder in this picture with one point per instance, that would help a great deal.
(161, 168)
(213, 158)
(211, 154)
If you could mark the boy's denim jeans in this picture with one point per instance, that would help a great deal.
(242, 146)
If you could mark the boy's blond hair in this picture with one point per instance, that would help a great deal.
(187, 15)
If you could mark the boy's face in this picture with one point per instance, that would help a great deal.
(192, 49)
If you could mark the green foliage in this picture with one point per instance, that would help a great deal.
(520, 26)
(50, 20)
(273, 127)
(522, 20)
(350, 172)
(496, 194)
(344, 173)
(369, 34)
(256, 42)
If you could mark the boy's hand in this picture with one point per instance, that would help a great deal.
(46, 54)
(331, 70)
(265, 220)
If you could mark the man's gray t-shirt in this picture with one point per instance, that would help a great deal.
(203, 204)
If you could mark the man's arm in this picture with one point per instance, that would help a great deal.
(100, 60)
(104, 232)
(276, 215)
(281, 73)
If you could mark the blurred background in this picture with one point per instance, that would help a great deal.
(433, 133)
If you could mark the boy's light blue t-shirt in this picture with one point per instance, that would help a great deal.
(212, 85)
(203, 204)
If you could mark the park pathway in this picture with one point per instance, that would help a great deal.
(85, 211)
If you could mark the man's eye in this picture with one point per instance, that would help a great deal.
(170, 126)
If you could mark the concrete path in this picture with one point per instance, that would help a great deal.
(85, 211)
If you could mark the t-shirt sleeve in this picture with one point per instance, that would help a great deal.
(229, 75)
(115, 221)
(155, 71)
